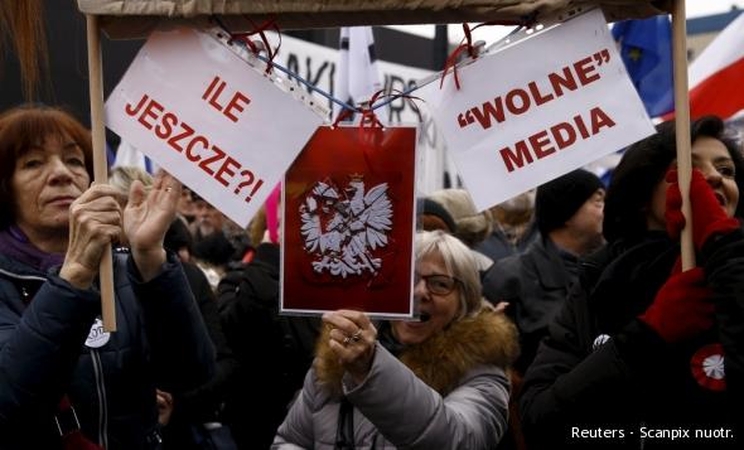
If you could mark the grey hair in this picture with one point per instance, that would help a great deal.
(459, 262)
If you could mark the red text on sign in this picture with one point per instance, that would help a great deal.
(520, 100)
(237, 102)
(559, 136)
(196, 148)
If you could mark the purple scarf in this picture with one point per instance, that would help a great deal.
(15, 245)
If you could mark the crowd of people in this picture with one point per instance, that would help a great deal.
(561, 318)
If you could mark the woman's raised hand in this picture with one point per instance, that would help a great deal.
(352, 338)
(147, 217)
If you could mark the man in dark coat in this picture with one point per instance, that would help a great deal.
(535, 283)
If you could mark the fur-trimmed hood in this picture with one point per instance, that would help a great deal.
(489, 337)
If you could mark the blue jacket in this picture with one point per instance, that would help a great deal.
(51, 346)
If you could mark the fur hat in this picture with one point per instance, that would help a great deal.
(558, 200)
(472, 226)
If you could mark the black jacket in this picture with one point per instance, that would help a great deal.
(602, 370)
(205, 403)
(497, 245)
(44, 323)
(274, 351)
(535, 284)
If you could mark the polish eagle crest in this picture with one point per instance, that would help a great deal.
(343, 227)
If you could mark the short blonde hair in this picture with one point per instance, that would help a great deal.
(122, 177)
(459, 262)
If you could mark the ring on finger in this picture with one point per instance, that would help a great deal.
(357, 335)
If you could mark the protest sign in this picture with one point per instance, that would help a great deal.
(532, 111)
(348, 222)
(222, 126)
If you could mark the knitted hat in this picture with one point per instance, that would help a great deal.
(215, 249)
(178, 236)
(434, 216)
(472, 226)
(558, 200)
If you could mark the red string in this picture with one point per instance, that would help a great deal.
(260, 31)
(396, 93)
(367, 110)
(345, 113)
(368, 120)
(467, 44)
(368, 115)
(469, 39)
(452, 63)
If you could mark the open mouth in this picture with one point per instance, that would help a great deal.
(424, 317)
(721, 199)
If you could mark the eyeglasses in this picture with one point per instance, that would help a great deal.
(436, 283)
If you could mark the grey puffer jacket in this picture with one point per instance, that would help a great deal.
(450, 392)
(50, 346)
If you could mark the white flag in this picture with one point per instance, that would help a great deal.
(127, 156)
(357, 78)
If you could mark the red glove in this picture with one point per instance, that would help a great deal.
(708, 217)
(683, 307)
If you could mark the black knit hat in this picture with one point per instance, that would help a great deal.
(178, 236)
(428, 207)
(558, 200)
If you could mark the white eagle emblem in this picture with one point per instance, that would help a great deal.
(342, 228)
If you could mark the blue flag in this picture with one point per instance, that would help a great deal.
(646, 50)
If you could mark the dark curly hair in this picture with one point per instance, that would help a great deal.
(645, 164)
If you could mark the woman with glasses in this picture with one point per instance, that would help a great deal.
(437, 382)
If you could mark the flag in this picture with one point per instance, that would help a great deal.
(646, 50)
(715, 77)
(126, 155)
(357, 77)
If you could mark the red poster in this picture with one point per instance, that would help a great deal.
(349, 221)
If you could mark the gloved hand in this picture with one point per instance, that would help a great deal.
(683, 307)
(708, 217)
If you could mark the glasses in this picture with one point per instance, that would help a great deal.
(437, 284)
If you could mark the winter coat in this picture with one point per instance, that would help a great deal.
(450, 392)
(535, 284)
(52, 345)
(497, 245)
(273, 351)
(205, 403)
(605, 379)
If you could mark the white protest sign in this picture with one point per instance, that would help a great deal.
(535, 110)
(204, 114)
